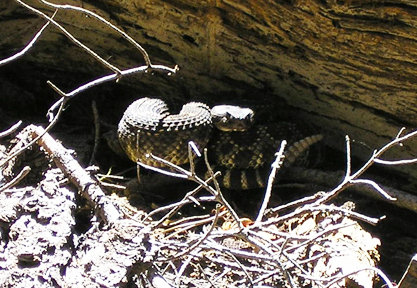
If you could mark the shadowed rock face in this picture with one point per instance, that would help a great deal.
(347, 68)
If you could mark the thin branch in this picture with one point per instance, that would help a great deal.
(181, 271)
(350, 180)
(259, 245)
(313, 238)
(96, 131)
(162, 171)
(396, 162)
(376, 270)
(188, 175)
(179, 205)
(46, 130)
(88, 186)
(175, 206)
(192, 150)
(29, 45)
(241, 268)
(213, 175)
(206, 276)
(375, 186)
(121, 32)
(400, 132)
(378, 153)
(298, 202)
(275, 166)
(22, 174)
(201, 240)
(71, 37)
(104, 79)
(348, 157)
(190, 224)
(11, 129)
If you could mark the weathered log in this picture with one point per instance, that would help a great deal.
(348, 66)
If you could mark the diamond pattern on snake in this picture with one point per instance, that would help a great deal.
(242, 150)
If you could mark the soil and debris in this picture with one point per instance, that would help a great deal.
(66, 230)
(61, 225)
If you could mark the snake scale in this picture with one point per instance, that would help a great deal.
(243, 156)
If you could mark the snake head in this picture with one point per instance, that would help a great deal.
(232, 118)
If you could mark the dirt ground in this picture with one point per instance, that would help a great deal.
(75, 130)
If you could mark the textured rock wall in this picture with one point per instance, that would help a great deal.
(349, 66)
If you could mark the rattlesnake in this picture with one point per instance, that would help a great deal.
(147, 127)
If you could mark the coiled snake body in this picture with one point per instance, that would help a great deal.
(147, 127)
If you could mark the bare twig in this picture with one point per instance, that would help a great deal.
(188, 175)
(47, 129)
(70, 37)
(351, 178)
(16, 179)
(242, 267)
(179, 205)
(313, 207)
(107, 78)
(184, 266)
(213, 175)
(118, 30)
(117, 72)
(375, 186)
(296, 203)
(96, 131)
(275, 166)
(11, 129)
(184, 175)
(376, 270)
(397, 162)
(313, 238)
(192, 150)
(80, 178)
(192, 247)
(205, 276)
(348, 157)
(331, 179)
(175, 206)
(348, 213)
(28, 46)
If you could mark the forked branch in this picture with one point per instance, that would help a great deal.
(118, 73)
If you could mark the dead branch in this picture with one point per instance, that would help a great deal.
(96, 131)
(70, 36)
(117, 72)
(283, 252)
(28, 46)
(25, 171)
(49, 127)
(350, 179)
(275, 166)
(52, 117)
(107, 23)
(190, 175)
(313, 176)
(283, 259)
(11, 129)
(86, 184)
